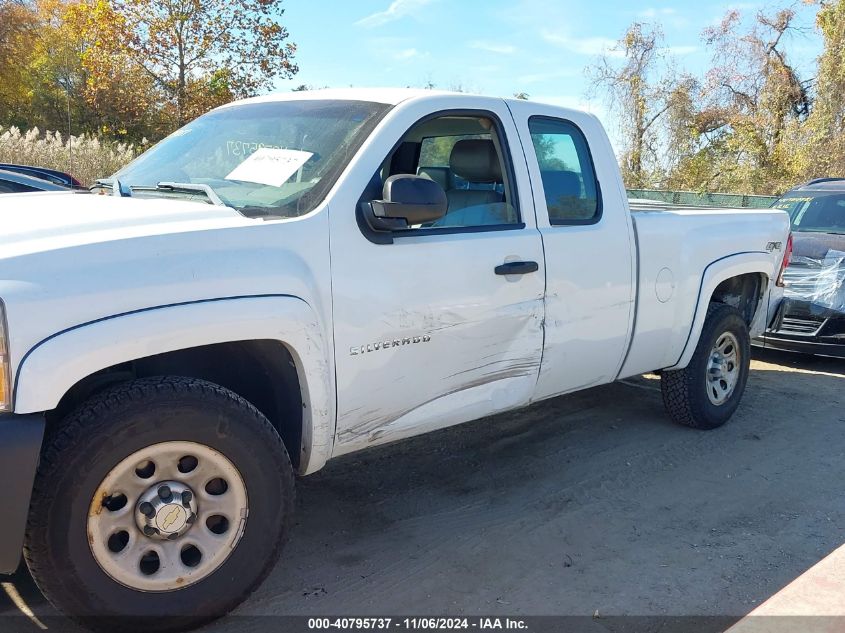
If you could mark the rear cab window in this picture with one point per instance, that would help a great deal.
(570, 188)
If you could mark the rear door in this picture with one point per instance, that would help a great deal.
(427, 332)
(588, 243)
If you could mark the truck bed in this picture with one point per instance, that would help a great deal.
(675, 247)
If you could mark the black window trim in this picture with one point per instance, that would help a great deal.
(378, 237)
(599, 198)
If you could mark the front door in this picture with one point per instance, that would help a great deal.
(427, 333)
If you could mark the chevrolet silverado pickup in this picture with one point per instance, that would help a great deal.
(292, 278)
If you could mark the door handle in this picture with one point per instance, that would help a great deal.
(516, 268)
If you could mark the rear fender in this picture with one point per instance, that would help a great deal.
(715, 274)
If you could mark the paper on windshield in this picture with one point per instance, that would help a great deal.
(270, 166)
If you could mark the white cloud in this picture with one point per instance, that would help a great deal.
(653, 12)
(397, 9)
(582, 45)
(594, 46)
(743, 6)
(406, 53)
(492, 47)
(667, 15)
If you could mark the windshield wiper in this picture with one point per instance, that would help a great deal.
(184, 187)
(114, 185)
(822, 231)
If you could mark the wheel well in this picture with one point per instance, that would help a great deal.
(743, 292)
(263, 372)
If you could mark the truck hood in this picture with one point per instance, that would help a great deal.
(71, 259)
(34, 222)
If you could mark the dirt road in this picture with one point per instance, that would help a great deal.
(590, 502)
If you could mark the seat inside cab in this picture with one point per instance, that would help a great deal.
(463, 155)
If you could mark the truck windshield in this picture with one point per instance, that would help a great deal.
(814, 212)
(276, 159)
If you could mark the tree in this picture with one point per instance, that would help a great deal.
(824, 148)
(130, 69)
(17, 28)
(54, 78)
(120, 99)
(62, 68)
(639, 92)
(752, 105)
(201, 53)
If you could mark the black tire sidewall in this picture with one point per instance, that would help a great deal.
(235, 430)
(723, 319)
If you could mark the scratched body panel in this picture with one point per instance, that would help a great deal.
(431, 336)
(437, 354)
(484, 363)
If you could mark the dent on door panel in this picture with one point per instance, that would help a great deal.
(497, 378)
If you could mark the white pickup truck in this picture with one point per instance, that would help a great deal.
(295, 277)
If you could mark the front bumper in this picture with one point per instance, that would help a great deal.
(20, 446)
(806, 327)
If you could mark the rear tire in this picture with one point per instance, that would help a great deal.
(706, 393)
(213, 545)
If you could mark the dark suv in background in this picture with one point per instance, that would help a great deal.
(810, 315)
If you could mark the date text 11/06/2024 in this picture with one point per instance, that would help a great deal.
(413, 624)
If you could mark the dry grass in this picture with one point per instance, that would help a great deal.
(85, 157)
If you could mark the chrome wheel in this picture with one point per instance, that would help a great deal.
(723, 369)
(167, 516)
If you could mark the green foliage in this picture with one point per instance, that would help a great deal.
(750, 124)
(129, 69)
(823, 141)
(435, 151)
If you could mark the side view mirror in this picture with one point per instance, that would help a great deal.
(407, 201)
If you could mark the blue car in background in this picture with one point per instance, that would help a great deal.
(25, 178)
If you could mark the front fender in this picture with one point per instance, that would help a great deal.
(716, 273)
(53, 366)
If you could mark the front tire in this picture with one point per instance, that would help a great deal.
(158, 505)
(706, 393)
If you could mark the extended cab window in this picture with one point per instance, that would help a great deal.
(465, 156)
(566, 169)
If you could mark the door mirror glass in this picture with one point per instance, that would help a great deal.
(408, 201)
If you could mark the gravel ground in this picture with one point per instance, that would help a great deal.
(593, 502)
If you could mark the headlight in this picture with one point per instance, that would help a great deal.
(5, 369)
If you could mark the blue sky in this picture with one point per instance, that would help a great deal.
(498, 47)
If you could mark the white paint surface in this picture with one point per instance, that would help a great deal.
(71, 265)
